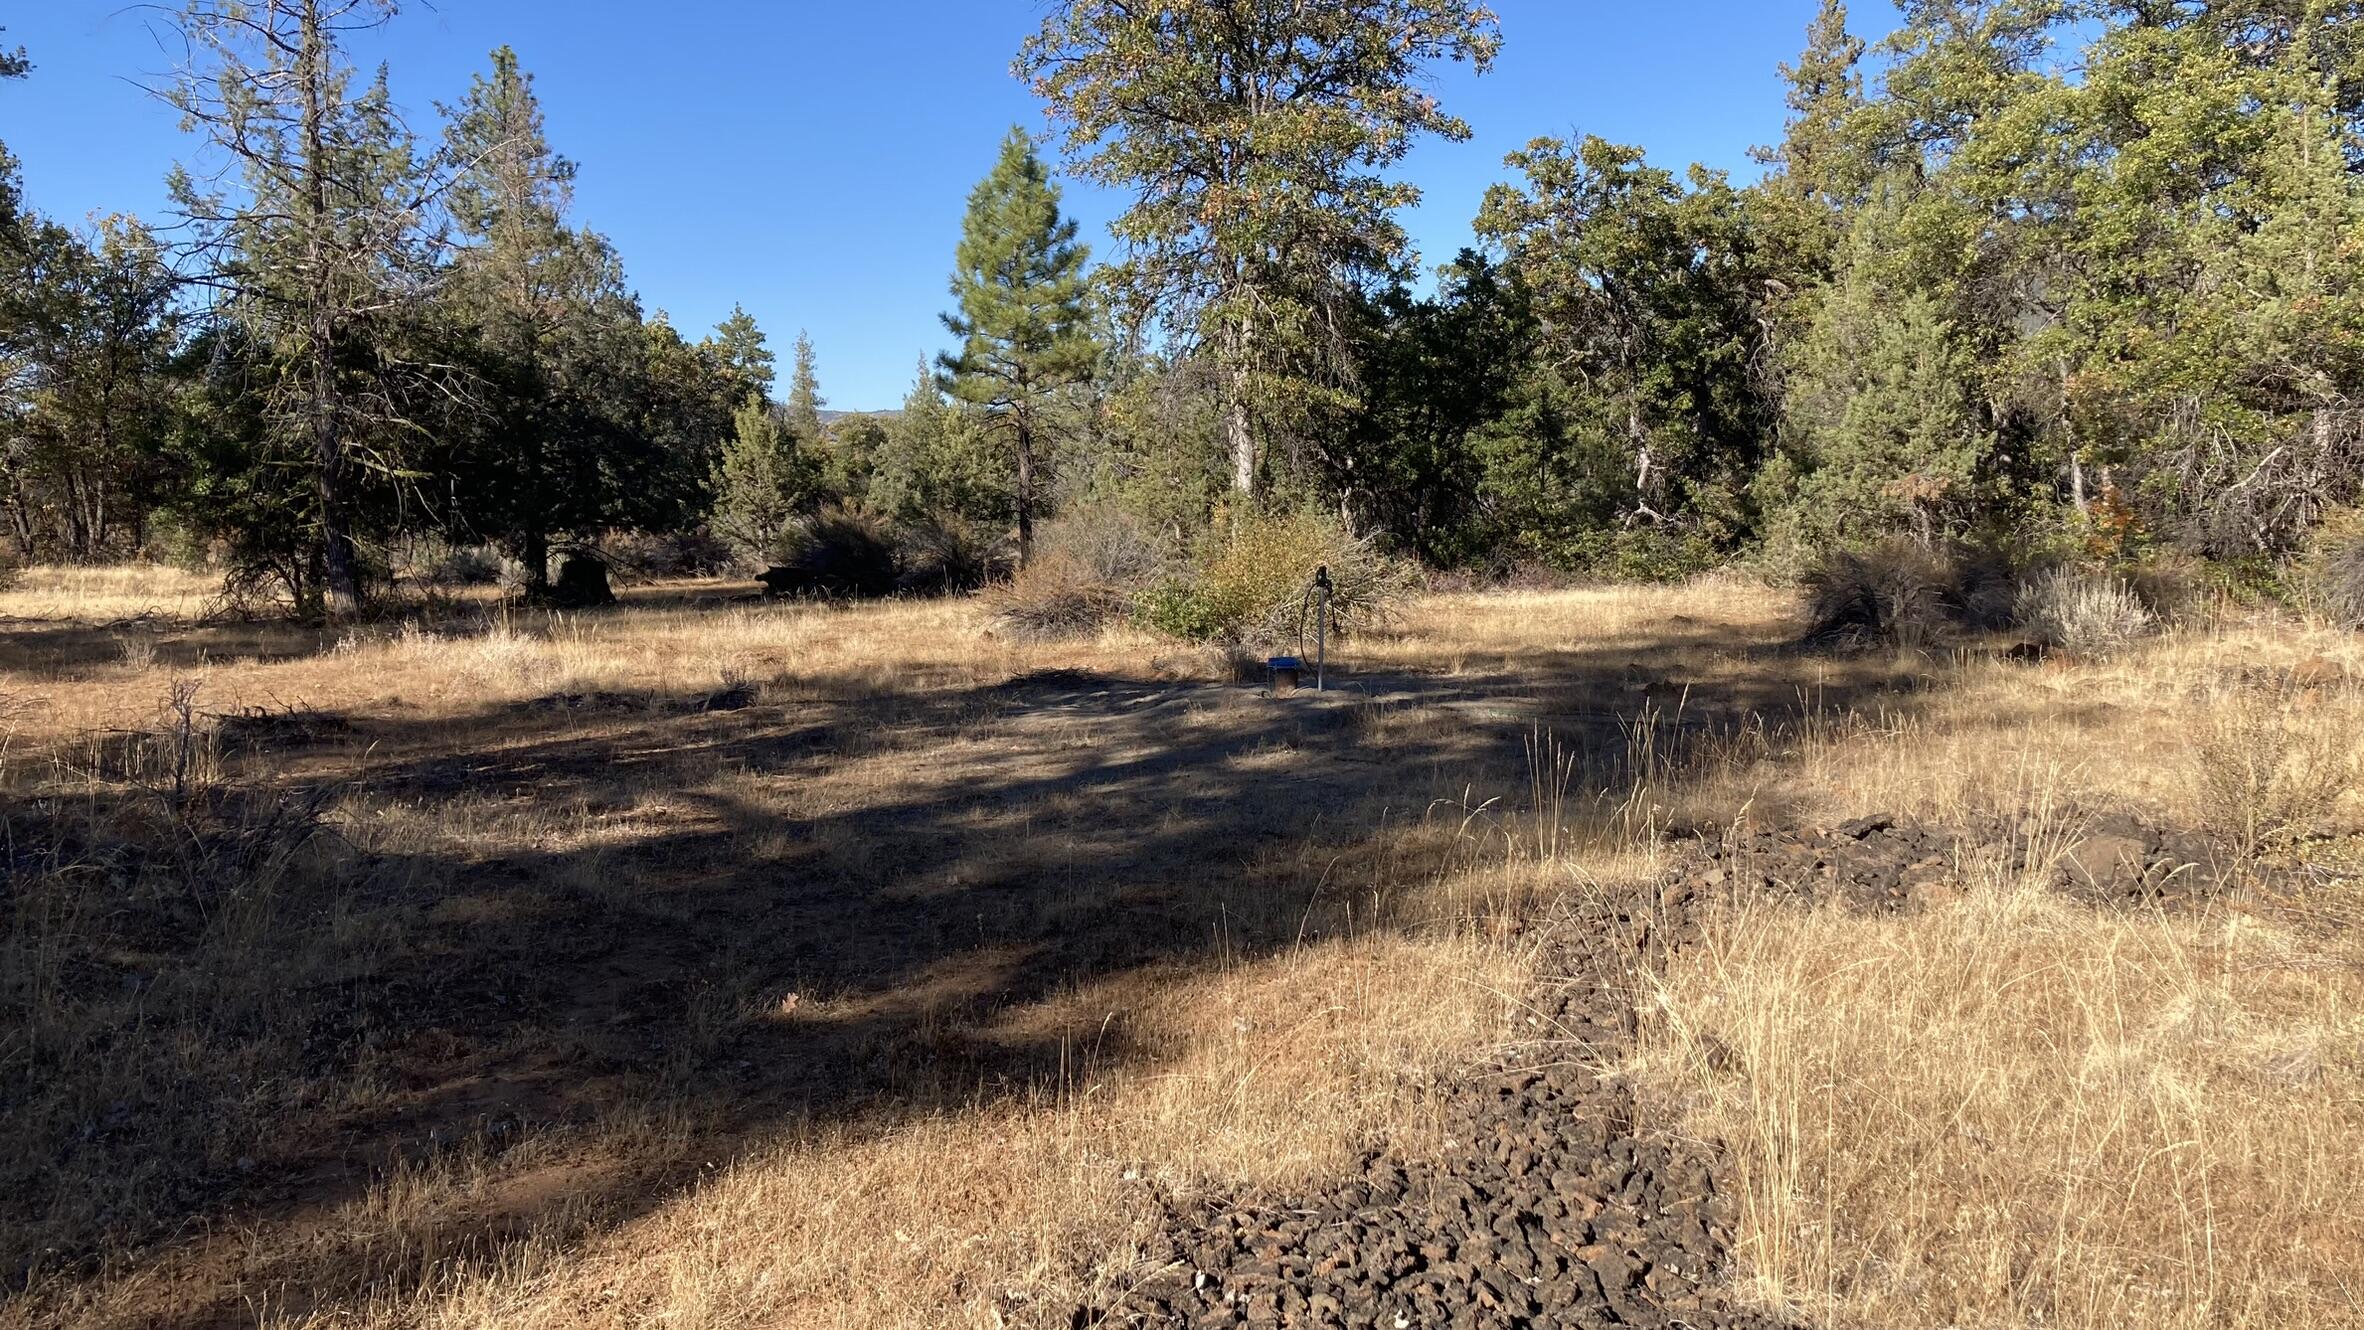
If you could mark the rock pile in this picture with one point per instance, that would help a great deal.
(1890, 863)
(1553, 1205)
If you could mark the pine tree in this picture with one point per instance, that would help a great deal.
(1024, 319)
(741, 345)
(1255, 138)
(1818, 159)
(325, 246)
(804, 394)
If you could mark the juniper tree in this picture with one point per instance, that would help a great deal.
(1254, 136)
(553, 334)
(1024, 319)
(766, 478)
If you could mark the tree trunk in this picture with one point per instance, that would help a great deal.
(1241, 439)
(533, 550)
(1025, 494)
(340, 570)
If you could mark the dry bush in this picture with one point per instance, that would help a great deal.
(1903, 594)
(2268, 763)
(2341, 580)
(2014, 1110)
(2097, 616)
(1113, 544)
(645, 556)
(1057, 596)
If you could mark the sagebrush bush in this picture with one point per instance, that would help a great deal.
(2267, 765)
(1900, 593)
(838, 551)
(1059, 595)
(2095, 615)
(1254, 590)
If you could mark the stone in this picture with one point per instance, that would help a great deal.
(2106, 859)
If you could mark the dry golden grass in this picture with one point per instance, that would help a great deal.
(2015, 1110)
(880, 1001)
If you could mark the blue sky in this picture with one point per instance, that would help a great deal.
(810, 159)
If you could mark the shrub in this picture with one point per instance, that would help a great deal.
(10, 570)
(1254, 591)
(838, 551)
(2342, 582)
(2267, 766)
(2091, 615)
(943, 555)
(1058, 595)
(1900, 593)
(1115, 545)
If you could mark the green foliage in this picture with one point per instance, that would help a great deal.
(766, 480)
(1649, 291)
(935, 461)
(739, 343)
(1024, 318)
(1881, 431)
(318, 244)
(804, 393)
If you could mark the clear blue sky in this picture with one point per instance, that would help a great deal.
(810, 159)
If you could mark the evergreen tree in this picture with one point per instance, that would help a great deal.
(1649, 289)
(933, 465)
(1882, 433)
(1255, 139)
(741, 345)
(1023, 321)
(552, 331)
(89, 331)
(804, 394)
(322, 249)
(765, 480)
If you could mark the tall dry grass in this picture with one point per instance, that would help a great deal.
(2015, 1110)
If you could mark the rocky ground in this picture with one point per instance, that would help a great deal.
(1559, 1202)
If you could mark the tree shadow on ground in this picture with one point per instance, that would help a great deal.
(815, 905)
